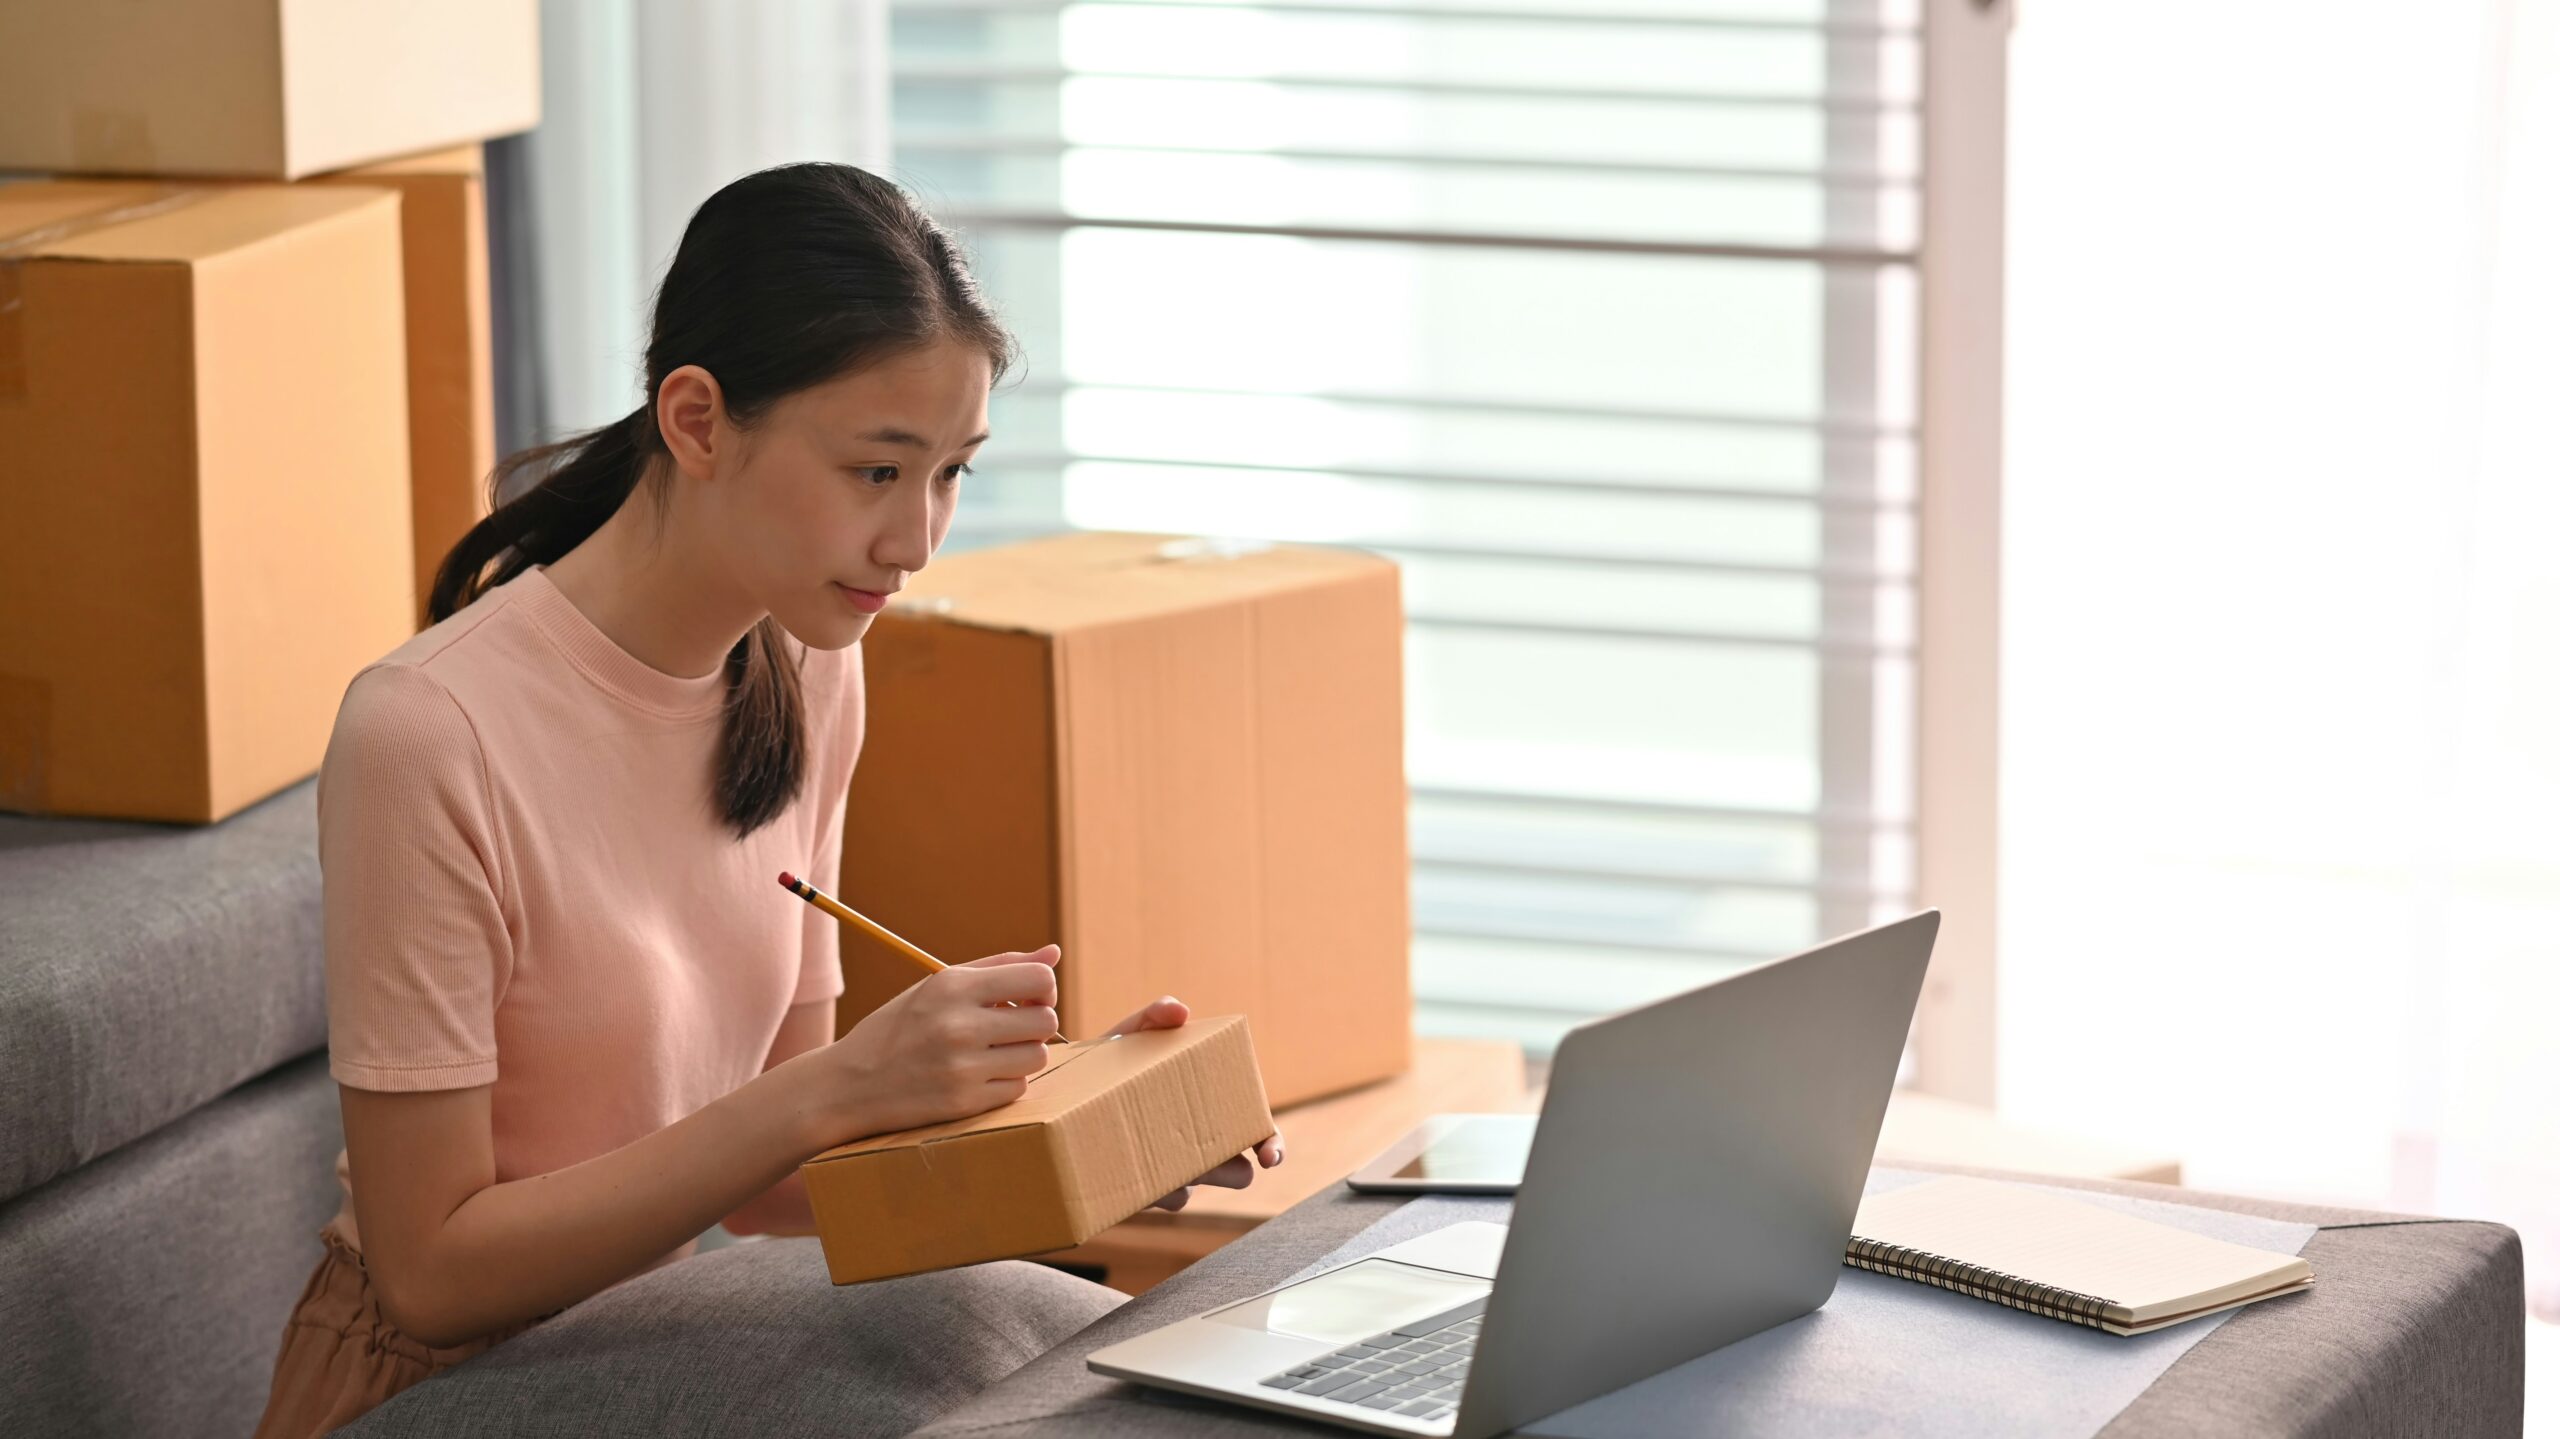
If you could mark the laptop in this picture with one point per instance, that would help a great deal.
(1691, 1182)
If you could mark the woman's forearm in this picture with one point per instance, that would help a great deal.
(784, 1209)
(781, 1210)
(528, 1247)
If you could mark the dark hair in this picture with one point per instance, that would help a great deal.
(785, 279)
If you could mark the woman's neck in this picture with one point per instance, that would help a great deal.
(663, 603)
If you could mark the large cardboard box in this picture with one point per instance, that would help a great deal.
(1108, 1128)
(204, 469)
(444, 261)
(276, 89)
(444, 276)
(1183, 762)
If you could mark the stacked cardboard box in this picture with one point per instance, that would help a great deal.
(269, 89)
(204, 456)
(444, 250)
(210, 389)
(1182, 762)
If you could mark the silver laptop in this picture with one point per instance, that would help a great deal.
(1692, 1182)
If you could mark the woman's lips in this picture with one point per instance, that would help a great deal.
(870, 602)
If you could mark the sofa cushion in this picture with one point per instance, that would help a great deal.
(146, 969)
(752, 1339)
(145, 1295)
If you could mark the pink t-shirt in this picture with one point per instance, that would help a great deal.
(525, 883)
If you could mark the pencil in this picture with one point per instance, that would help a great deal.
(847, 914)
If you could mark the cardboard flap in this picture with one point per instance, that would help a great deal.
(1083, 580)
(1062, 1055)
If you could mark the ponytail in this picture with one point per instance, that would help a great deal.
(579, 483)
(763, 749)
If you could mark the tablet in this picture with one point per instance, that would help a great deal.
(1453, 1154)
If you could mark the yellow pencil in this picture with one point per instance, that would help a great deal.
(847, 914)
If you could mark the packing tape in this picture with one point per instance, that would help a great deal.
(15, 252)
(1204, 547)
(26, 734)
(161, 200)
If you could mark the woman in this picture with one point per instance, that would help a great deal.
(573, 1022)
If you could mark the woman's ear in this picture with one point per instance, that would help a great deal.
(691, 416)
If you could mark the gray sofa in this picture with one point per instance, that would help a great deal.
(167, 1122)
(168, 1132)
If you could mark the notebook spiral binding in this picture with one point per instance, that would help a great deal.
(1972, 1279)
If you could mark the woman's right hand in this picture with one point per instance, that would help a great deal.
(946, 1048)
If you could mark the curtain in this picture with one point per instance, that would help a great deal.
(648, 107)
(2282, 716)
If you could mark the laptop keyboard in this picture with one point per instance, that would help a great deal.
(1415, 1370)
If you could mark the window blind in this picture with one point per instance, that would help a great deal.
(1600, 319)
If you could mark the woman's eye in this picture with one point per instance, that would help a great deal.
(952, 476)
(879, 474)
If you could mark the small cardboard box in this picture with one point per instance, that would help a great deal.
(1183, 762)
(1108, 1128)
(270, 89)
(444, 268)
(204, 473)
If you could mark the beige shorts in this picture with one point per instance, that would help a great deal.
(341, 1357)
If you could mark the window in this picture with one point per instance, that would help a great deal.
(1603, 319)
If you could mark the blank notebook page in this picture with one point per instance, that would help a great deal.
(2136, 1265)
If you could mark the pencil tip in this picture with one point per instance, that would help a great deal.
(788, 882)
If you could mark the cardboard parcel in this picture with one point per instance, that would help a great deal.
(444, 272)
(204, 474)
(1183, 761)
(1108, 1128)
(259, 89)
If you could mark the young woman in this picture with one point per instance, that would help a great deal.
(573, 1022)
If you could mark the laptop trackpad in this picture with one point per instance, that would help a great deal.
(1355, 1301)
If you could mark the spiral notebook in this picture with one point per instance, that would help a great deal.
(2035, 1250)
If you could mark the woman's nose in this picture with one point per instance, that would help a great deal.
(906, 542)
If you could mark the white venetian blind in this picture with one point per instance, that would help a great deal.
(1598, 317)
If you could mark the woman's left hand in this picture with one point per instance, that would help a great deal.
(1236, 1173)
